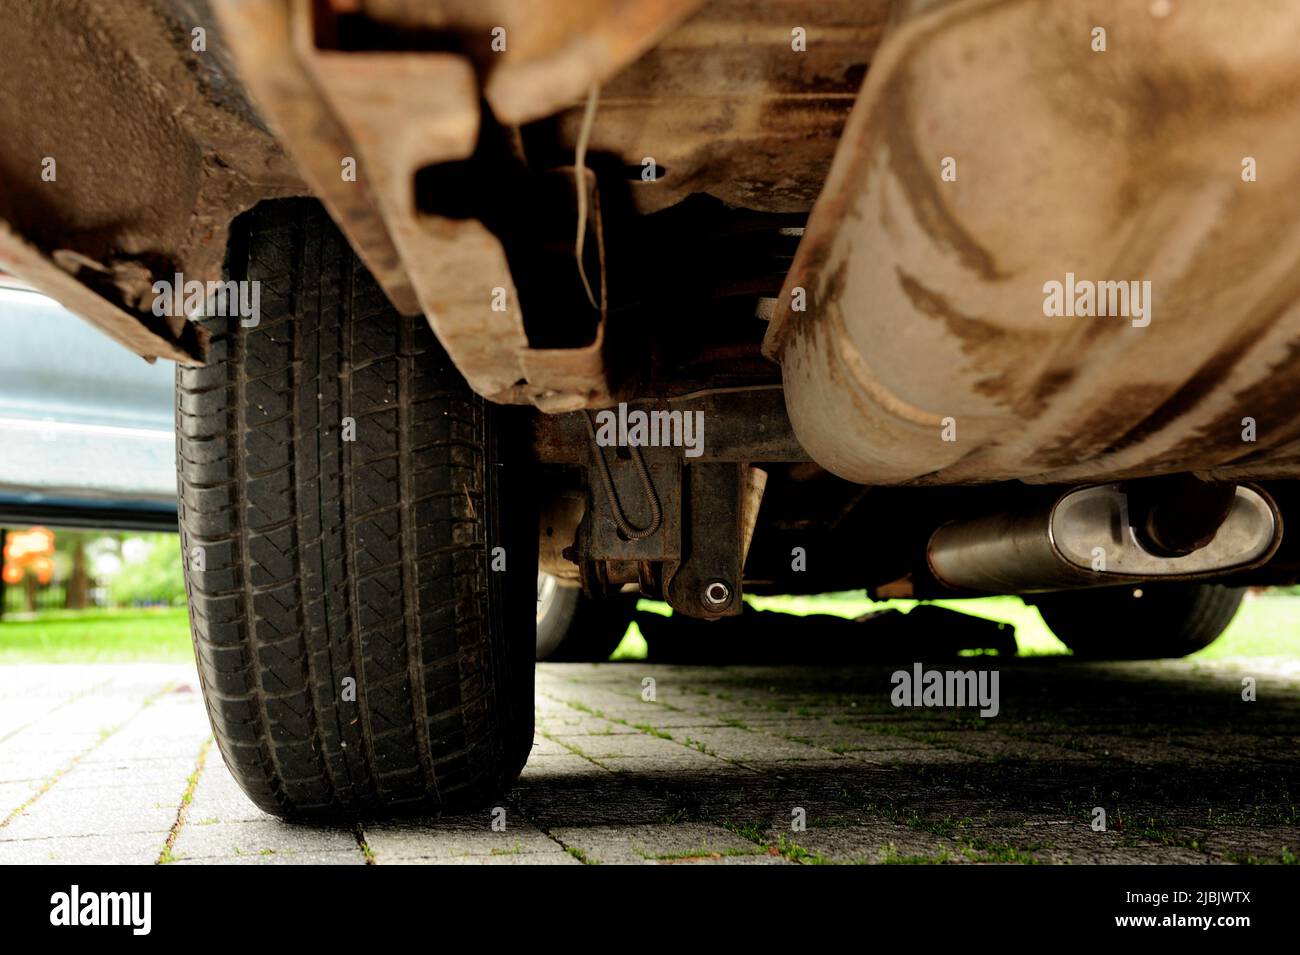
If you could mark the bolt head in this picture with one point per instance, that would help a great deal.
(717, 595)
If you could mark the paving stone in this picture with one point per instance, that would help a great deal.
(931, 756)
(13, 795)
(282, 857)
(746, 745)
(115, 849)
(1186, 771)
(1247, 844)
(654, 844)
(636, 744)
(995, 745)
(218, 798)
(685, 760)
(129, 773)
(85, 812)
(544, 746)
(542, 768)
(881, 842)
(449, 839)
(507, 858)
(266, 837)
(582, 725)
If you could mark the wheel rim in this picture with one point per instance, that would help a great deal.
(546, 587)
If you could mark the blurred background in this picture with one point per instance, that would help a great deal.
(91, 596)
(91, 567)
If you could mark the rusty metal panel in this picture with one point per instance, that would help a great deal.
(146, 336)
(262, 32)
(565, 379)
(547, 54)
(726, 105)
(929, 351)
(400, 103)
(154, 149)
(743, 424)
(716, 92)
(402, 112)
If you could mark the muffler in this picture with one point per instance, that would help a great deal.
(1086, 538)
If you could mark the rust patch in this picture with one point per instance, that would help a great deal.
(973, 333)
(893, 115)
(156, 151)
(1212, 372)
(1266, 403)
(1050, 383)
(1149, 187)
(1111, 415)
(983, 340)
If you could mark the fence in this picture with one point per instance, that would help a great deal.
(51, 596)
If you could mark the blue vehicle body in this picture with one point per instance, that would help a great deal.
(86, 427)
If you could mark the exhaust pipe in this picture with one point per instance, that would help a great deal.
(1085, 538)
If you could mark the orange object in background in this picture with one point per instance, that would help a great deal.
(30, 551)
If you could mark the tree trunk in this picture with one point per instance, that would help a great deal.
(77, 595)
(3, 535)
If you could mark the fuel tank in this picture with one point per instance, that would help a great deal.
(1059, 243)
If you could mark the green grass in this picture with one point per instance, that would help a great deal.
(1266, 626)
(1032, 635)
(892, 857)
(633, 646)
(98, 636)
(580, 855)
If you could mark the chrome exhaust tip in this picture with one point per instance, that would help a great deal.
(1085, 538)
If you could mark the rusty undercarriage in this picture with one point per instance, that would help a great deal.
(961, 291)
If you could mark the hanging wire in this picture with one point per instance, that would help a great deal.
(580, 175)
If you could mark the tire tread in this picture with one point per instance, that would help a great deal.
(327, 559)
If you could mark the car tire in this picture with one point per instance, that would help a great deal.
(573, 628)
(343, 512)
(1140, 623)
